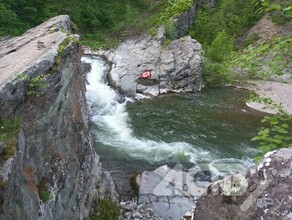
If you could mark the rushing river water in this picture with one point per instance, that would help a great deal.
(212, 128)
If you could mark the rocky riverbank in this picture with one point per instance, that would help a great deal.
(261, 192)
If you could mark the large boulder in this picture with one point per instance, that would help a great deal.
(170, 192)
(175, 68)
(263, 192)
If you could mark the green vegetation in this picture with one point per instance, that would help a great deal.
(9, 22)
(217, 71)
(173, 9)
(251, 40)
(100, 23)
(61, 49)
(9, 129)
(231, 16)
(221, 47)
(216, 27)
(44, 193)
(281, 11)
(276, 130)
(104, 209)
(266, 59)
(35, 85)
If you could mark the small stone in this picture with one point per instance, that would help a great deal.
(127, 214)
(140, 206)
(137, 215)
(150, 210)
(130, 206)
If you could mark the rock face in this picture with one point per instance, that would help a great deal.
(186, 19)
(55, 170)
(175, 68)
(261, 193)
(170, 192)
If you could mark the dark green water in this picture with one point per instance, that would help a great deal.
(214, 126)
(216, 120)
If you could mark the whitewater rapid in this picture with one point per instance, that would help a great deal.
(114, 129)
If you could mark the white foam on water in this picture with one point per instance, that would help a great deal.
(114, 126)
(114, 129)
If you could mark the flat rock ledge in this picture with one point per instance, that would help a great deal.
(34, 50)
(168, 193)
(174, 68)
(262, 192)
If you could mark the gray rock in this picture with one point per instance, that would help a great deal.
(131, 210)
(137, 215)
(259, 193)
(6, 169)
(54, 150)
(177, 68)
(169, 192)
(186, 19)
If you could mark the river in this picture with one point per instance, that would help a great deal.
(211, 129)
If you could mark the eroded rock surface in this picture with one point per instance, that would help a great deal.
(175, 68)
(55, 172)
(263, 192)
(170, 192)
(36, 48)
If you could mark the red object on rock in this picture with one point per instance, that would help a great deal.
(146, 75)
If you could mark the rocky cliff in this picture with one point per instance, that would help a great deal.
(54, 172)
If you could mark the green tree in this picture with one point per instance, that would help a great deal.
(231, 16)
(221, 47)
(216, 70)
(9, 23)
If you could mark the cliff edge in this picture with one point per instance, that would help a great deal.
(53, 171)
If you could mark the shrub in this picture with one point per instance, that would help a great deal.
(170, 30)
(221, 47)
(35, 85)
(9, 23)
(275, 130)
(266, 59)
(216, 74)
(279, 18)
(251, 39)
(105, 209)
(8, 132)
(231, 16)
